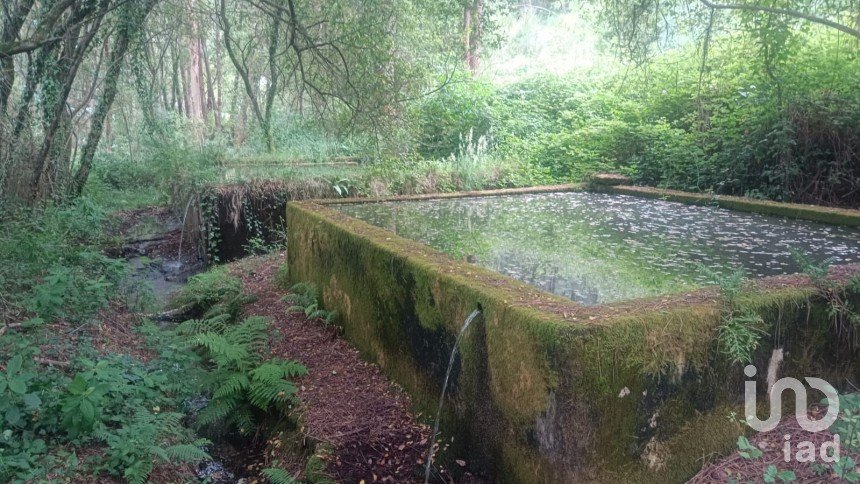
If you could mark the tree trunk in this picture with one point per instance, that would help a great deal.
(210, 88)
(195, 69)
(108, 94)
(176, 100)
(63, 75)
(472, 28)
(477, 23)
(219, 74)
(467, 31)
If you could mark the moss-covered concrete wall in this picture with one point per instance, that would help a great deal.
(547, 390)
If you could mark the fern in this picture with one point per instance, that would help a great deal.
(241, 382)
(251, 334)
(242, 419)
(138, 471)
(209, 288)
(263, 395)
(134, 447)
(224, 351)
(742, 329)
(233, 385)
(193, 327)
(186, 452)
(276, 369)
(279, 476)
(216, 411)
(304, 298)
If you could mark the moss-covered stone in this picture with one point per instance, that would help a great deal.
(546, 389)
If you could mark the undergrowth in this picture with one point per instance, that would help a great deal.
(741, 328)
(304, 298)
(69, 412)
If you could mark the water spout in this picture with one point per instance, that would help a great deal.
(182, 230)
(472, 316)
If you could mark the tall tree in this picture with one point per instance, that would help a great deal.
(132, 18)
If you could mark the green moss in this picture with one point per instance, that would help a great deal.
(815, 213)
(544, 388)
(315, 468)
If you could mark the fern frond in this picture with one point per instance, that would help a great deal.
(279, 476)
(223, 349)
(276, 369)
(193, 327)
(330, 317)
(216, 411)
(186, 453)
(307, 289)
(262, 395)
(251, 334)
(138, 472)
(243, 420)
(233, 385)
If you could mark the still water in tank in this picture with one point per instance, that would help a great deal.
(596, 248)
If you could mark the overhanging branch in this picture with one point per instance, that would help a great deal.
(784, 11)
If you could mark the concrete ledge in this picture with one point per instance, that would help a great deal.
(573, 187)
(815, 213)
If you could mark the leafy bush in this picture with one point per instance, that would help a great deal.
(445, 118)
(51, 261)
(134, 448)
(209, 289)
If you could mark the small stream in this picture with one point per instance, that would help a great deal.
(163, 276)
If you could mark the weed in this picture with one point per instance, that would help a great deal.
(842, 313)
(741, 330)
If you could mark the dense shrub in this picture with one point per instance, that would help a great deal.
(445, 119)
(51, 261)
(653, 153)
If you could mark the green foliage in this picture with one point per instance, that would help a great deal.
(279, 476)
(243, 386)
(51, 261)
(842, 312)
(107, 401)
(212, 292)
(747, 450)
(82, 406)
(17, 400)
(740, 336)
(304, 298)
(847, 426)
(741, 330)
(845, 468)
(282, 276)
(772, 474)
(145, 439)
(778, 124)
(450, 114)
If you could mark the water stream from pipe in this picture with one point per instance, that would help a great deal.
(182, 231)
(472, 316)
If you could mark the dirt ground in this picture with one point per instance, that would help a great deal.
(346, 402)
(735, 467)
